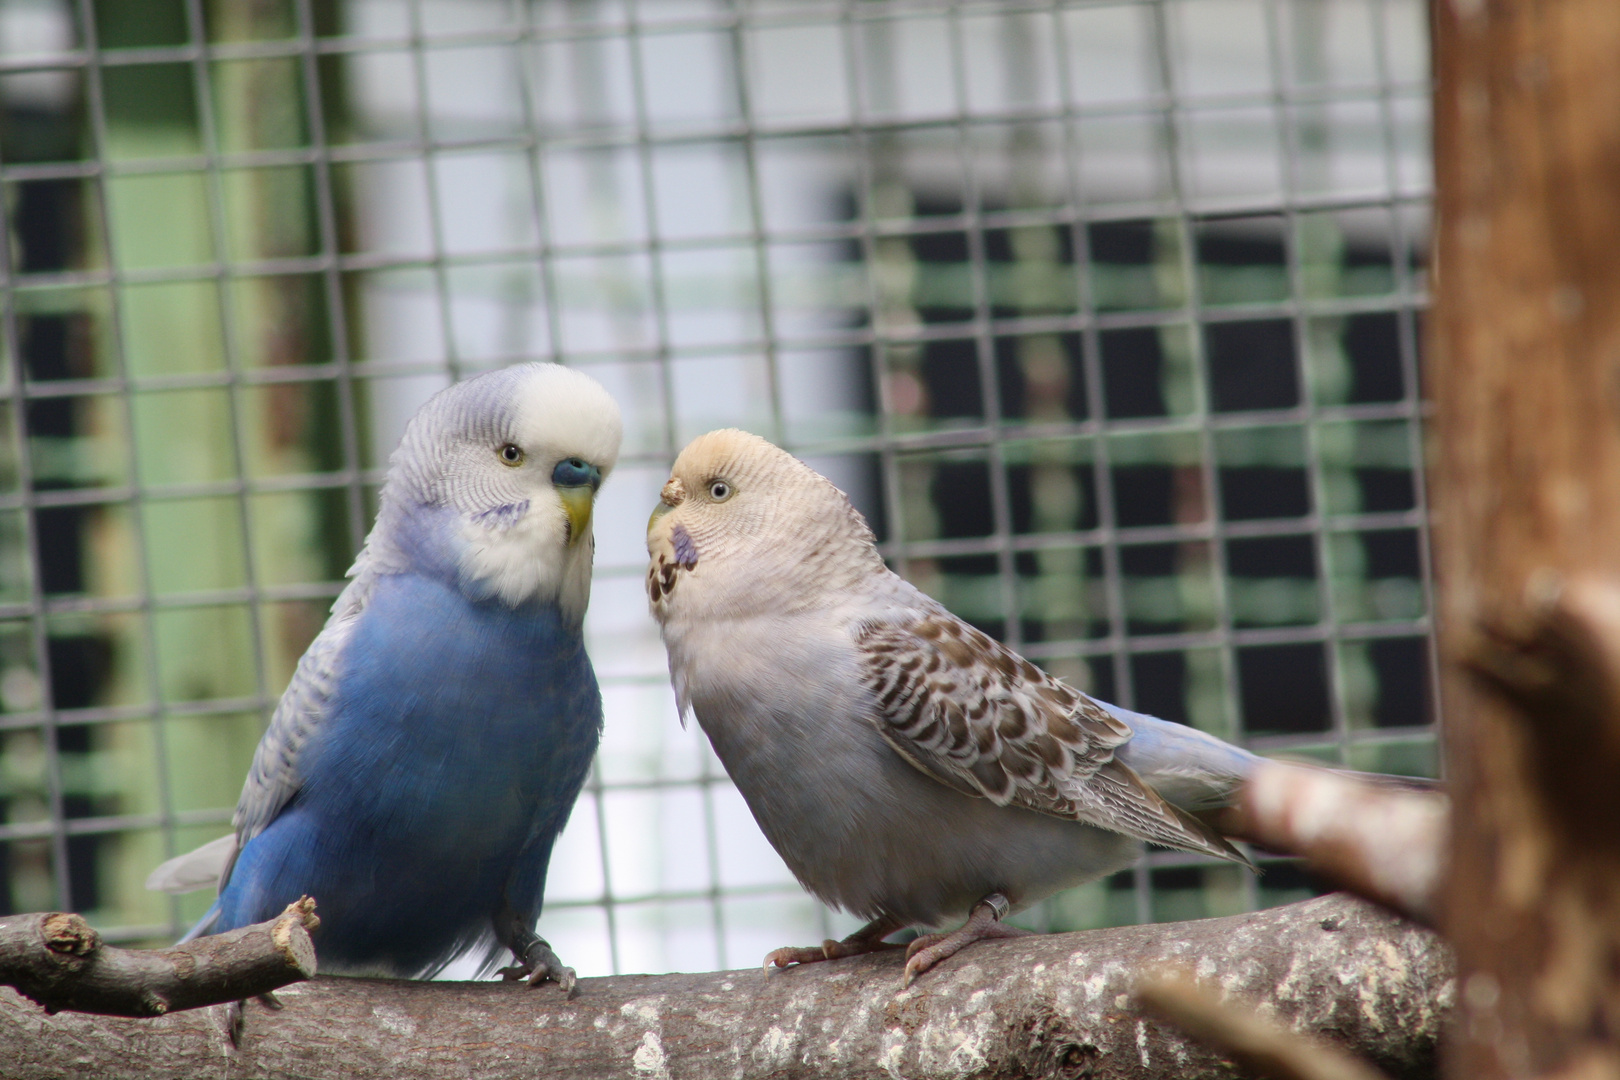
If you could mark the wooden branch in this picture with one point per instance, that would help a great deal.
(1253, 1042)
(58, 961)
(1382, 844)
(1054, 1005)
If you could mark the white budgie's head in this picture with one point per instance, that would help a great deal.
(744, 527)
(497, 476)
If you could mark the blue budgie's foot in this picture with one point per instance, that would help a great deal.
(234, 1020)
(536, 963)
(236, 1017)
(867, 939)
(984, 923)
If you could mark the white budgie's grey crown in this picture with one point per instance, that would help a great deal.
(564, 411)
(485, 450)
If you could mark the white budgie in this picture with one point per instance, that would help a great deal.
(907, 767)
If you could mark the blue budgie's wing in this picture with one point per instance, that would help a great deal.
(979, 718)
(275, 776)
(199, 869)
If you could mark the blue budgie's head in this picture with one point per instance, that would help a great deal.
(495, 479)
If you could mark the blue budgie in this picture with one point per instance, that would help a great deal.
(908, 768)
(435, 735)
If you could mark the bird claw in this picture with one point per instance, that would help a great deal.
(984, 924)
(788, 957)
(236, 1016)
(234, 1021)
(827, 950)
(868, 939)
(926, 951)
(539, 965)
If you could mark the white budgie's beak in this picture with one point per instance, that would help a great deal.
(668, 499)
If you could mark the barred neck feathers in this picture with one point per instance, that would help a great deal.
(745, 528)
(493, 483)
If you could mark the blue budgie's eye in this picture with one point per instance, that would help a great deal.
(576, 472)
(511, 454)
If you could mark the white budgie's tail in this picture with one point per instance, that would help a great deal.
(199, 869)
(1189, 768)
(1197, 772)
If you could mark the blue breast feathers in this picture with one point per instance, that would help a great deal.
(457, 737)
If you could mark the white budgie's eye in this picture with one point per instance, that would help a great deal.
(719, 490)
(511, 455)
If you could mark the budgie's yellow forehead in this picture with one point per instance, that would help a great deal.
(743, 525)
(737, 455)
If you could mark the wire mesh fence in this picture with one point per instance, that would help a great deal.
(1104, 313)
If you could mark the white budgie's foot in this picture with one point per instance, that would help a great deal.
(984, 924)
(867, 939)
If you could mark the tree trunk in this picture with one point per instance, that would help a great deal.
(1524, 366)
(1055, 1005)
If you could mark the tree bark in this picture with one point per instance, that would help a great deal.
(1054, 1005)
(1256, 1044)
(1524, 365)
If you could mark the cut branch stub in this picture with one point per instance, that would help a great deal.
(58, 961)
(1559, 666)
(1382, 844)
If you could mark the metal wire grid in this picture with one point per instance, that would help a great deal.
(894, 442)
(1120, 644)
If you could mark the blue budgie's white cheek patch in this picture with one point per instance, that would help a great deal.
(502, 517)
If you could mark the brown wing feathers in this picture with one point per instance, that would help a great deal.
(981, 719)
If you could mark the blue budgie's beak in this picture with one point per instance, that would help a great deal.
(576, 482)
(577, 503)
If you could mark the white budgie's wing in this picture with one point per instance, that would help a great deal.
(978, 717)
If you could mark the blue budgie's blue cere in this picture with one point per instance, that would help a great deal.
(436, 734)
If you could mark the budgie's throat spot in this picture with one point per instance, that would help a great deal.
(667, 562)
